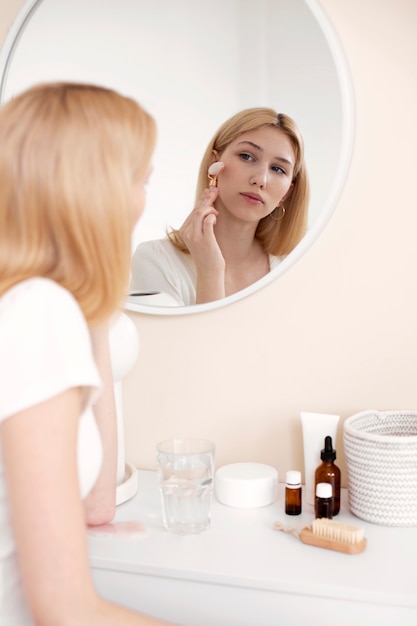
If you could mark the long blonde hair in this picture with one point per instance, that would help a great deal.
(276, 237)
(69, 155)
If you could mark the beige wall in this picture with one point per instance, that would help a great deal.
(337, 333)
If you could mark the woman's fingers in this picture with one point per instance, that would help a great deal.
(194, 223)
(208, 197)
(206, 207)
(209, 220)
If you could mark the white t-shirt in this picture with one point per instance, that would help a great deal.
(45, 349)
(158, 265)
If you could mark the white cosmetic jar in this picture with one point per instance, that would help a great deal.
(246, 485)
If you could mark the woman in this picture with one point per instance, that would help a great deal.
(241, 228)
(74, 161)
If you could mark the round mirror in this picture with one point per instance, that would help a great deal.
(193, 65)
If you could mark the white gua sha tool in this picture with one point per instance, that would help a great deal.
(213, 172)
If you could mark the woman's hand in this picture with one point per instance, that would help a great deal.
(197, 232)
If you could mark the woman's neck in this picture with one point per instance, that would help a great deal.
(237, 240)
(246, 261)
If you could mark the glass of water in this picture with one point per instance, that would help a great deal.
(185, 473)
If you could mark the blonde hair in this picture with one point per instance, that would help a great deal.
(69, 156)
(276, 237)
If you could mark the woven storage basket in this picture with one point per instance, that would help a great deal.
(381, 459)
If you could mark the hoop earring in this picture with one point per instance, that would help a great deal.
(277, 219)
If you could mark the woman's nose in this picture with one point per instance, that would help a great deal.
(259, 177)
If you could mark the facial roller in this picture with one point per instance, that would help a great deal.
(213, 172)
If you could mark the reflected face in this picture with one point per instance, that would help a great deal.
(257, 175)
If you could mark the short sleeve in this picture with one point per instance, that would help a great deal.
(152, 269)
(274, 261)
(45, 346)
(158, 266)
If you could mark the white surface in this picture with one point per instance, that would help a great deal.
(246, 485)
(241, 572)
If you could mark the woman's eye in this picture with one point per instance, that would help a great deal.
(277, 168)
(245, 156)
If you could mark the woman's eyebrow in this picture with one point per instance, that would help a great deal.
(255, 145)
(251, 143)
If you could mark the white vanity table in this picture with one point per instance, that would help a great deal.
(241, 572)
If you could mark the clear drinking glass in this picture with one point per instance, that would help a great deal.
(185, 473)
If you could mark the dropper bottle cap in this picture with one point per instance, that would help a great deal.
(328, 453)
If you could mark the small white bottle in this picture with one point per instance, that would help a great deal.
(293, 497)
(323, 506)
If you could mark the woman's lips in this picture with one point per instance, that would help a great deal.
(253, 198)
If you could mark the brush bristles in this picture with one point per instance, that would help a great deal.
(336, 531)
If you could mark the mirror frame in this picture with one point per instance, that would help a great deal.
(347, 141)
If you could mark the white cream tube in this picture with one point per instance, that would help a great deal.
(316, 426)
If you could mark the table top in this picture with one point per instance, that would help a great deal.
(241, 548)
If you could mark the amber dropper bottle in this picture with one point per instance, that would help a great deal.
(328, 472)
(293, 498)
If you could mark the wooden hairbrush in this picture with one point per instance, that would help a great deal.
(329, 534)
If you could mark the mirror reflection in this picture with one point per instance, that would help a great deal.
(192, 78)
(251, 215)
